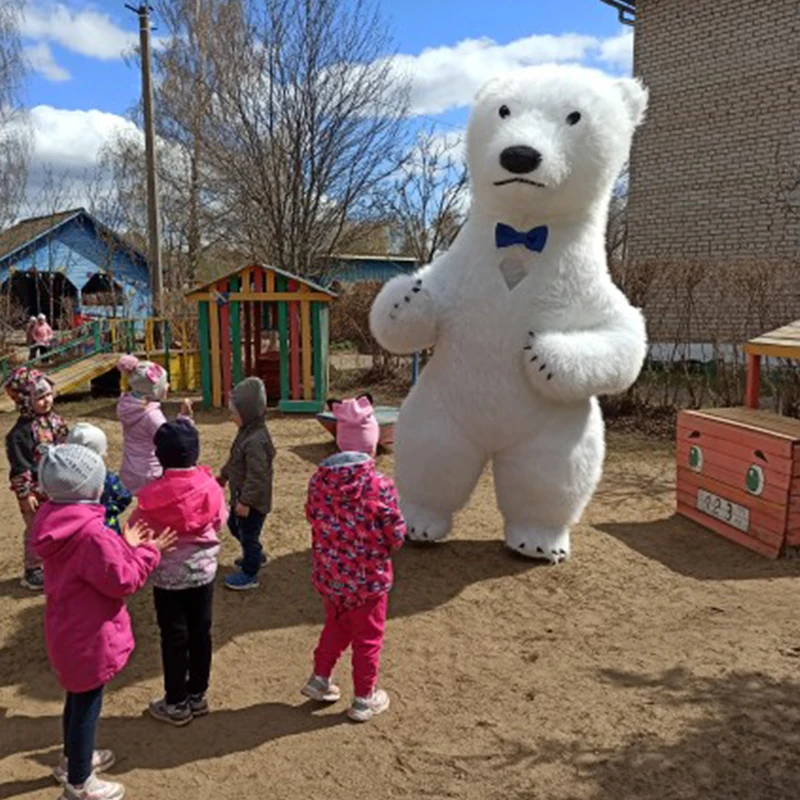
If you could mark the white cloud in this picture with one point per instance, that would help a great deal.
(72, 140)
(618, 51)
(86, 32)
(40, 58)
(447, 77)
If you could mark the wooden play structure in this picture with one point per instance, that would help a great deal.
(263, 321)
(739, 468)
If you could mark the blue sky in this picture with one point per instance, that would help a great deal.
(80, 88)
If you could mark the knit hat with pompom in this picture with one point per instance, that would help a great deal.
(147, 379)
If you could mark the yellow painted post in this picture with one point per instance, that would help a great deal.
(184, 365)
(216, 366)
(305, 337)
(270, 287)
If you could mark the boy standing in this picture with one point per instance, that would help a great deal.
(249, 473)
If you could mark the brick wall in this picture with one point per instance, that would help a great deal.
(720, 151)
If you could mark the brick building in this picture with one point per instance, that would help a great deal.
(713, 246)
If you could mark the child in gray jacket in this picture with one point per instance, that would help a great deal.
(249, 473)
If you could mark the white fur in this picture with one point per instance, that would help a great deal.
(515, 372)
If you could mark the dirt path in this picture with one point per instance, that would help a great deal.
(659, 663)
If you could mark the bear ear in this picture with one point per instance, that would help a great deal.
(634, 95)
(494, 86)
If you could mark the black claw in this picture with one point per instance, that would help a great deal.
(413, 529)
(544, 366)
(522, 546)
(534, 359)
(418, 281)
(397, 305)
(425, 534)
(563, 552)
(531, 333)
(549, 375)
(539, 550)
(415, 289)
(407, 299)
(528, 347)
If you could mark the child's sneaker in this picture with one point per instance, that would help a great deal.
(364, 709)
(33, 579)
(198, 705)
(177, 715)
(94, 789)
(241, 581)
(239, 561)
(321, 690)
(101, 761)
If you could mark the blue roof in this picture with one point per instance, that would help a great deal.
(360, 269)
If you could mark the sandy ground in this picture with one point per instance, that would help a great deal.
(660, 662)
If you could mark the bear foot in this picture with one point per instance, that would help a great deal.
(537, 542)
(423, 525)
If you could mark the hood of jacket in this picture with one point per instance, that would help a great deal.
(346, 474)
(58, 524)
(188, 501)
(131, 409)
(355, 412)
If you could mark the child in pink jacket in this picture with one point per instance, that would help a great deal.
(188, 500)
(357, 429)
(139, 412)
(88, 572)
(355, 525)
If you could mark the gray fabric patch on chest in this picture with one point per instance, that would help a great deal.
(514, 269)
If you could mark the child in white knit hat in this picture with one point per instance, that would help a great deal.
(139, 412)
(116, 497)
(88, 572)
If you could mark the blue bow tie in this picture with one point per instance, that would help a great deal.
(534, 239)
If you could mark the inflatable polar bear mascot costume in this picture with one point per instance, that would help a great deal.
(527, 326)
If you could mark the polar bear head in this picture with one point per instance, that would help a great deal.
(550, 141)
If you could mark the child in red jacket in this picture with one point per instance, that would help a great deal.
(356, 525)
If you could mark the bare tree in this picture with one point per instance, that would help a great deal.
(15, 135)
(289, 114)
(427, 197)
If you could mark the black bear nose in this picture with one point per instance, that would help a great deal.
(520, 159)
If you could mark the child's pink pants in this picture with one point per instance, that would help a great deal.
(360, 627)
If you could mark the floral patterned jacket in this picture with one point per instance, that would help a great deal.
(356, 525)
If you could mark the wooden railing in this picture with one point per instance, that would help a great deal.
(151, 336)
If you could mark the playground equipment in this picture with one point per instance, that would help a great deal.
(238, 309)
(739, 468)
(97, 345)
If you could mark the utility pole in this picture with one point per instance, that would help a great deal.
(153, 216)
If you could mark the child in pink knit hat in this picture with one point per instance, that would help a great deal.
(139, 412)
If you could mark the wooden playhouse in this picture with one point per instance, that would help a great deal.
(739, 468)
(263, 321)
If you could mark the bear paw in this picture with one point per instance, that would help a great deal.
(403, 316)
(423, 525)
(536, 542)
(539, 364)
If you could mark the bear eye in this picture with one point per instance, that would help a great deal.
(573, 118)
(504, 112)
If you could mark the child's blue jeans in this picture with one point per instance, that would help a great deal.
(247, 531)
(81, 713)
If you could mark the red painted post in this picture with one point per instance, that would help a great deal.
(753, 389)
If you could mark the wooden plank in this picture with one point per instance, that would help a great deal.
(767, 514)
(316, 336)
(258, 313)
(266, 297)
(734, 470)
(216, 375)
(236, 337)
(307, 353)
(247, 309)
(763, 421)
(750, 542)
(269, 288)
(324, 337)
(731, 448)
(301, 406)
(770, 536)
(752, 390)
(294, 345)
(283, 336)
(768, 441)
(773, 350)
(246, 276)
(225, 348)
